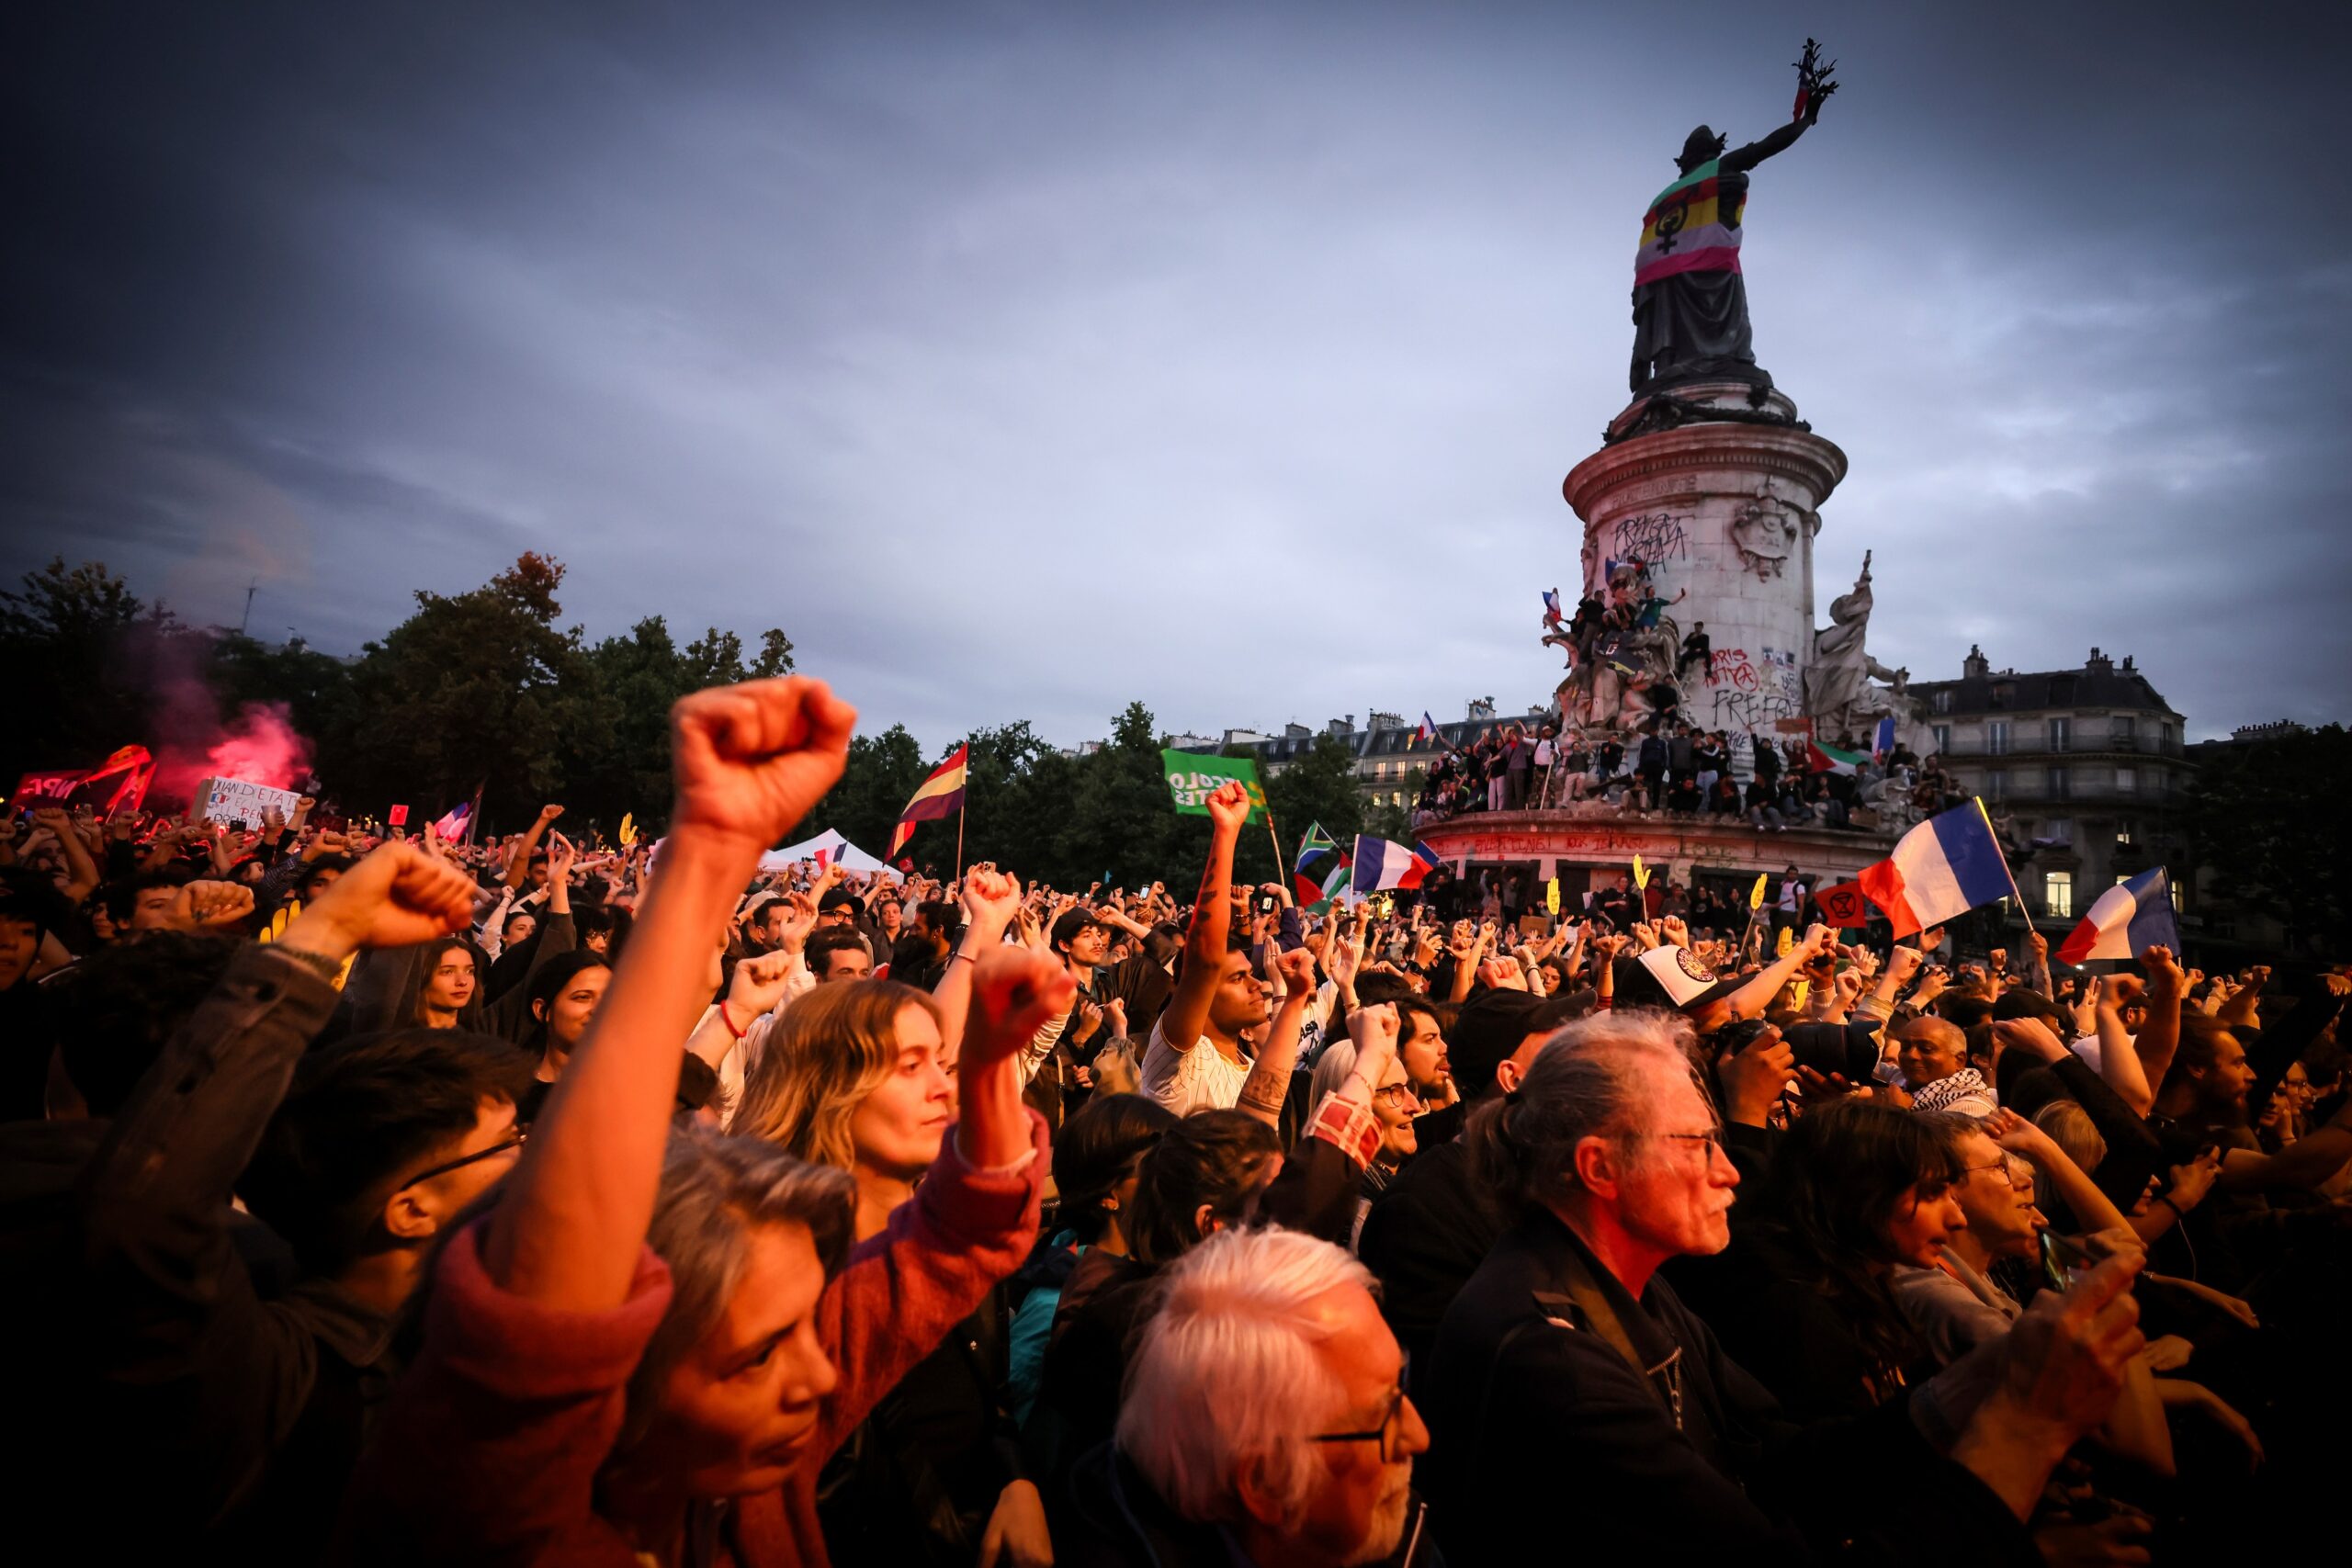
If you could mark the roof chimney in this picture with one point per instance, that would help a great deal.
(1975, 667)
(2099, 663)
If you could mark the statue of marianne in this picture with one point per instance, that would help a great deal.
(1690, 301)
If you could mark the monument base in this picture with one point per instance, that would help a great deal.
(1586, 851)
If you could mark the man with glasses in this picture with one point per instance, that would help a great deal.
(235, 1415)
(1265, 1421)
(1577, 1408)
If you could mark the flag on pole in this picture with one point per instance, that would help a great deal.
(1318, 855)
(938, 796)
(1551, 606)
(1939, 870)
(1882, 743)
(1382, 863)
(451, 826)
(1427, 731)
(1335, 888)
(2127, 919)
(1823, 759)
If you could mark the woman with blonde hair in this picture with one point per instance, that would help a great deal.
(858, 1075)
(855, 1075)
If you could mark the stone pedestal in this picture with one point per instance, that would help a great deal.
(1722, 506)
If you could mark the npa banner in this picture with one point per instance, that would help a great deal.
(1193, 777)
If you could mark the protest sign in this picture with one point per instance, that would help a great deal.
(1192, 778)
(240, 802)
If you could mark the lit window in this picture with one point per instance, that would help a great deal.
(2058, 893)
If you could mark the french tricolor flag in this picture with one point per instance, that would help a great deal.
(1941, 869)
(2127, 919)
(1382, 863)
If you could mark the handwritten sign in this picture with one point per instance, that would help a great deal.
(240, 801)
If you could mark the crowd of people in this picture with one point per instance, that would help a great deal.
(378, 1199)
(1672, 768)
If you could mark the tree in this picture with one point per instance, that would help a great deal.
(84, 650)
(2264, 818)
(473, 689)
(1318, 787)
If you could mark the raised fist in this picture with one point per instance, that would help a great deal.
(751, 759)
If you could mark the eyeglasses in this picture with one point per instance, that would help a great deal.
(521, 1133)
(1397, 1094)
(1386, 1434)
(1712, 1136)
(2000, 1165)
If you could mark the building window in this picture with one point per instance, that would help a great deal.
(1942, 732)
(2120, 727)
(1997, 738)
(2059, 781)
(2123, 831)
(2062, 735)
(2127, 780)
(2004, 695)
(2058, 893)
(1996, 783)
(1943, 702)
(2059, 829)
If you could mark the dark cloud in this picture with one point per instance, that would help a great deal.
(1022, 359)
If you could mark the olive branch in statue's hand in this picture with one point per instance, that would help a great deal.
(1815, 84)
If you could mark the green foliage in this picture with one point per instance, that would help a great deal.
(74, 643)
(2265, 818)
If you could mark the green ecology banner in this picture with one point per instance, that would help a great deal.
(1193, 777)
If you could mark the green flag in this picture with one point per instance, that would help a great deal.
(1192, 778)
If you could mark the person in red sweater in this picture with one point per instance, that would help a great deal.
(645, 1349)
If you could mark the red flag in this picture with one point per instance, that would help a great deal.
(1843, 906)
(397, 816)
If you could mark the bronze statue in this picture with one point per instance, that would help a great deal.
(1690, 301)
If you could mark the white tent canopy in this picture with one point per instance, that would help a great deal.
(835, 848)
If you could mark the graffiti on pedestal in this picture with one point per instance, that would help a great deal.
(1749, 693)
(1653, 536)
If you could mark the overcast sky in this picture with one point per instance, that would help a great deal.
(1024, 359)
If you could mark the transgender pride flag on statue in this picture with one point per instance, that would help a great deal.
(2127, 919)
(1943, 868)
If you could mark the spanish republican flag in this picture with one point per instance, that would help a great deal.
(942, 795)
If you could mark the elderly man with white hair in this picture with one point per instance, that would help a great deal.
(1264, 1423)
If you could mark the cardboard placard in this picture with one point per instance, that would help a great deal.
(239, 802)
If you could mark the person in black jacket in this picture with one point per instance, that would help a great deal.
(1574, 1401)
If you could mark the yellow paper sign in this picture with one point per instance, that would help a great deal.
(628, 829)
(1641, 874)
(1551, 896)
(1788, 941)
(1756, 894)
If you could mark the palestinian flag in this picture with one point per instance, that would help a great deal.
(1335, 889)
(1820, 759)
(1318, 853)
(940, 796)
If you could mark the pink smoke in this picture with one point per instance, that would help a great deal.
(261, 747)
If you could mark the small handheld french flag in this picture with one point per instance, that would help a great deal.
(2127, 919)
(1551, 606)
(1944, 867)
(1882, 743)
(1427, 731)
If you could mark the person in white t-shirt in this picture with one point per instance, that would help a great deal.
(1218, 994)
